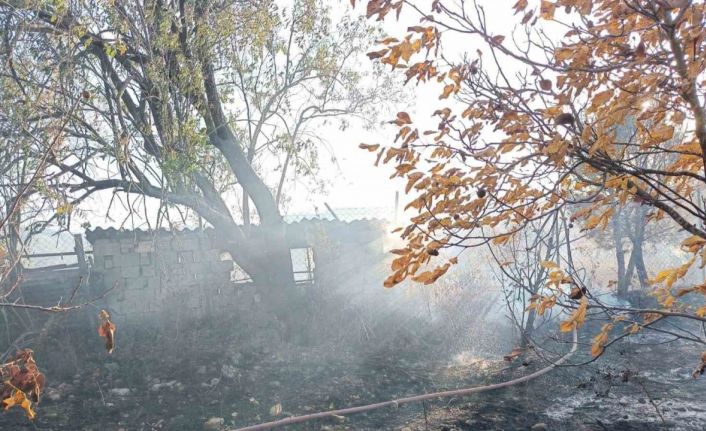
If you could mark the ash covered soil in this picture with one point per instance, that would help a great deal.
(198, 378)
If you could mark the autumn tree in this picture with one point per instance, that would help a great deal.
(526, 125)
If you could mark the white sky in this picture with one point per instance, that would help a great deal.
(356, 182)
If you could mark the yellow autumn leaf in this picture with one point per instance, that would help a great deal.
(27, 406)
(546, 304)
(547, 9)
(580, 315)
(18, 398)
(661, 133)
(448, 89)
(693, 244)
(671, 275)
(369, 147)
(592, 222)
(548, 264)
(634, 328)
(423, 277)
(700, 288)
(520, 6)
(64, 209)
(600, 340)
(276, 409)
(663, 275)
(577, 317)
(500, 240)
(561, 54)
(412, 179)
(488, 152)
(601, 98)
(601, 219)
(567, 325)
(15, 398)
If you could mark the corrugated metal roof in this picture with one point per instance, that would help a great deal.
(100, 233)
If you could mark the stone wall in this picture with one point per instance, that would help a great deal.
(162, 272)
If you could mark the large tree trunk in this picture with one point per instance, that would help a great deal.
(638, 239)
(624, 286)
(623, 283)
(274, 269)
(262, 251)
(265, 256)
(641, 269)
(636, 234)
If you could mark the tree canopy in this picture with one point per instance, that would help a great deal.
(529, 121)
(185, 104)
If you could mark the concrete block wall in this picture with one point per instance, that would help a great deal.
(182, 274)
(156, 273)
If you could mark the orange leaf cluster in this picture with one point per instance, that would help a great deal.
(107, 330)
(22, 383)
(577, 317)
(601, 339)
(532, 145)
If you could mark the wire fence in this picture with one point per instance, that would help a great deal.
(598, 261)
(601, 267)
(346, 214)
(303, 264)
(50, 249)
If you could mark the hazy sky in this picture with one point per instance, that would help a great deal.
(353, 181)
(356, 182)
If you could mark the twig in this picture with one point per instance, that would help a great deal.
(652, 401)
(416, 398)
(101, 391)
(78, 286)
(57, 308)
(426, 421)
(331, 211)
(15, 345)
(42, 162)
(13, 288)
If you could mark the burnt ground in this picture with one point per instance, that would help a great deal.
(182, 378)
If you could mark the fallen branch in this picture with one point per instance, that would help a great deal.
(416, 398)
(59, 308)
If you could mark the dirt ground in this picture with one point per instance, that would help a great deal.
(202, 379)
